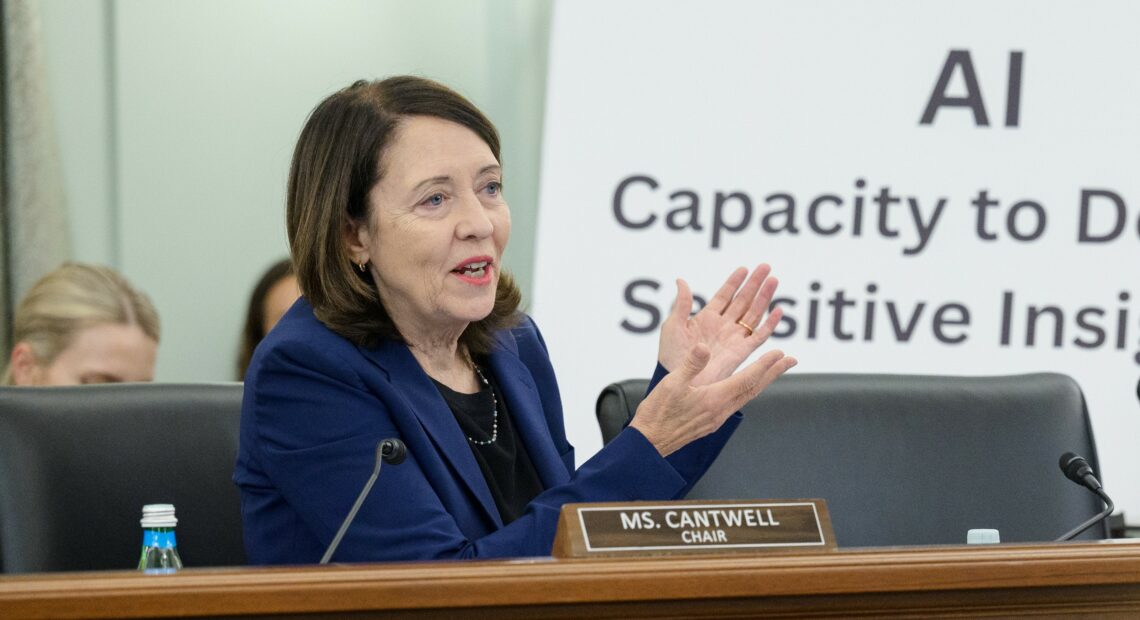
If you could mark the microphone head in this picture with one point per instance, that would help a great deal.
(1075, 467)
(393, 451)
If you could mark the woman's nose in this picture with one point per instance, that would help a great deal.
(474, 219)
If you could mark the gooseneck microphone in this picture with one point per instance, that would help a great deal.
(1079, 471)
(391, 451)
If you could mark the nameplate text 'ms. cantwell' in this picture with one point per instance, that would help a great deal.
(700, 526)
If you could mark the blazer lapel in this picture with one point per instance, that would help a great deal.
(526, 411)
(437, 420)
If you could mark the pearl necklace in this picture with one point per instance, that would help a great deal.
(494, 413)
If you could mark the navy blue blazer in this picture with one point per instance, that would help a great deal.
(316, 405)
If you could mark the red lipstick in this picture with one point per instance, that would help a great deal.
(477, 270)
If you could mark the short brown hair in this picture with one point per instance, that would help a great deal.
(336, 163)
(255, 328)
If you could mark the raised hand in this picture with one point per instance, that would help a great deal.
(678, 411)
(729, 325)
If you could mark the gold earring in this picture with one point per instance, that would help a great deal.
(360, 266)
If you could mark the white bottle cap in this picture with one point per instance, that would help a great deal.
(158, 515)
(982, 537)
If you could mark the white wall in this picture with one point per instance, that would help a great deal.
(178, 120)
(75, 51)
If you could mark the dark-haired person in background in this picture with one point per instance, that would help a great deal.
(409, 328)
(273, 294)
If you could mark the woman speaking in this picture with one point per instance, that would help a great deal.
(409, 328)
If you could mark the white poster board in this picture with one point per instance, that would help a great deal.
(1000, 235)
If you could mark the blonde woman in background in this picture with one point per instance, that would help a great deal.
(83, 324)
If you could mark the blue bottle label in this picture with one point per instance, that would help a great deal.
(163, 539)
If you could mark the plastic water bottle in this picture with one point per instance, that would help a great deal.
(983, 537)
(159, 547)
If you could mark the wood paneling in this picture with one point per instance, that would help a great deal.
(1057, 580)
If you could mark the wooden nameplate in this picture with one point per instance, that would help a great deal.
(693, 526)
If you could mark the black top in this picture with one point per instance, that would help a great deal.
(507, 467)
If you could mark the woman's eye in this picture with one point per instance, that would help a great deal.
(434, 200)
(494, 187)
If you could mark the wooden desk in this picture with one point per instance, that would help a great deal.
(1101, 580)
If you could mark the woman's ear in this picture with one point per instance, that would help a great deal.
(356, 237)
(24, 366)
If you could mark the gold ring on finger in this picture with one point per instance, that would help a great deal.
(746, 326)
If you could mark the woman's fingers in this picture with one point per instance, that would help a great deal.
(695, 362)
(765, 329)
(683, 303)
(734, 392)
(724, 296)
(758, 303)
(676, 413)
(745, 298)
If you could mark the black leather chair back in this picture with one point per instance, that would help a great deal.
(77, 464)
(906, 460)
